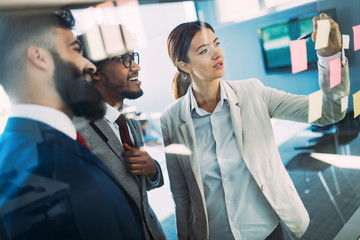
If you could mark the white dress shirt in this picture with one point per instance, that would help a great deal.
(50, 116)
(236, 207)
(111, 115)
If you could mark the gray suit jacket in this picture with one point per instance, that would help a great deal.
(105, 145)
(252, 105)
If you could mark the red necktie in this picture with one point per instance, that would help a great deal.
(81, 140)
(124, 130)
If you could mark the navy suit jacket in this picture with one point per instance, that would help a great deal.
(102, 208)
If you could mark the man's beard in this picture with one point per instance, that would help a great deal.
(132, 95)
(78, 95)
(121, 90)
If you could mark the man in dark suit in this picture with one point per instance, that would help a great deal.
(119, 143)
(51, 186)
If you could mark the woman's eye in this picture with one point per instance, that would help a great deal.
(203, 51)
(217, 44)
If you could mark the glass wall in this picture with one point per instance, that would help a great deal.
(322, 161)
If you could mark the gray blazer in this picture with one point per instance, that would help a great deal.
(252, 105)
(106, 146)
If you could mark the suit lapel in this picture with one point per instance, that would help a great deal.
(235, 113)
(112, 141)
(134, 128)
(189, 140)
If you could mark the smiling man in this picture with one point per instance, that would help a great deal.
(117, 139)
(45, 173)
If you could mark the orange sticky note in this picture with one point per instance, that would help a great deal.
(298, 55)
(356, 30)
(356, 100)
(335, 72)
(315, 106)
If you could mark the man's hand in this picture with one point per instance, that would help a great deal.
(334, 43)
(139, 162)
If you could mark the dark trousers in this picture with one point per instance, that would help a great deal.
(277, 234)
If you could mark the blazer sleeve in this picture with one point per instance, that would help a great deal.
(139, 140)
(178, 186)
(288, 106)
(159, 180)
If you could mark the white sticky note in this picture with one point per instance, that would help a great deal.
(345, 41)
(111, 35)
(178, 149)
(315, 106)
(95, 43)
(344, 103)
(322, 34)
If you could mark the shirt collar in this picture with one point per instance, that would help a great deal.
(111, 113)
(194, 106)
(50, 116)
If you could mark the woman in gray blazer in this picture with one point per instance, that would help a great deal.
(234, 185)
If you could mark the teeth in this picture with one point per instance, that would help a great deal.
(134, 79)
(217, 65)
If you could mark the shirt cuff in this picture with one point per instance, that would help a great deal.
(324, 61)
(155, 182)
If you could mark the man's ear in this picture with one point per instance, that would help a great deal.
(184, 67)
(39, 57)
(96, 76)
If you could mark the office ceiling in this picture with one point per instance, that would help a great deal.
(34, 4)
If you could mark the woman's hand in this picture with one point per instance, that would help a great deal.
(334, 43)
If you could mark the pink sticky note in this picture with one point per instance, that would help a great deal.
(335, 72)
(298, 55)
(356, 30)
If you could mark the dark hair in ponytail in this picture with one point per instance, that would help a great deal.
(178, 44)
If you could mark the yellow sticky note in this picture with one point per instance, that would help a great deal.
(322, 34)
(344, 103)
(356, 100)
(315, 106)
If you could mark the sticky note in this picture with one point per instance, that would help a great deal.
(322, 34)
(344, 103)
(298, 55)
(335, 72)
(356, 100)
(356, 30)
(178, 149)
(315, 106)
(345, 41)
(112, 38)
(95, 43)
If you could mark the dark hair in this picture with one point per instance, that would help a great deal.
(18, 31)
(178, 44)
